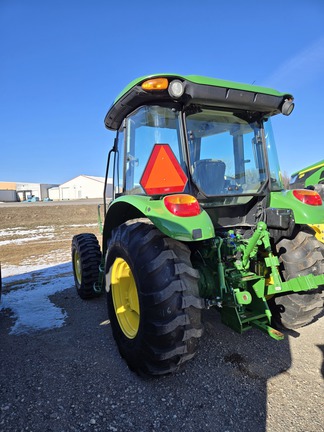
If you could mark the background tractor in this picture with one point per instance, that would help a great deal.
(199, 218)
(309, 177)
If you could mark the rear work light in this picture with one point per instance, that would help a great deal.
(182, 205)
(307, 196)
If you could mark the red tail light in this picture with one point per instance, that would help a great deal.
(307, 196)
(182, 205)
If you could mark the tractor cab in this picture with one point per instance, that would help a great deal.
(222, 148)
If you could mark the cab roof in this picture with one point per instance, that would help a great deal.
(199, 90)
(309, 168)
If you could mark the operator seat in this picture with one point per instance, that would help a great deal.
(209, 175)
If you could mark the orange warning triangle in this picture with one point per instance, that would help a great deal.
(163, 173)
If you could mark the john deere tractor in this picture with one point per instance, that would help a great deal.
(311, 177)
(199, 219)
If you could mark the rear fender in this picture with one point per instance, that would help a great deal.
(124, 208)
(304, 214)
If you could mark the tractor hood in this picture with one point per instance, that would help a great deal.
(196, 90)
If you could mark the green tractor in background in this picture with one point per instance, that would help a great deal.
(311, 177)
(199, 218)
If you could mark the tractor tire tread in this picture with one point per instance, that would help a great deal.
(299, 256)
(168, 287)
(87, 246)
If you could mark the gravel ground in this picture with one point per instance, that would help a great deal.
(73, 379)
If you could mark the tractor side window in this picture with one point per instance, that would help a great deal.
(276, 183)
(114, 185)
(147, 126)
(321, 179)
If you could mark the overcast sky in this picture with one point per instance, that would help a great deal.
(63, 62)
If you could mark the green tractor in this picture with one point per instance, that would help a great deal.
(310, 177)
(199, 219)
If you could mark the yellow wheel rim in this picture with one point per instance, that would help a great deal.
(125, 298)
(319, 231)
(77, 267)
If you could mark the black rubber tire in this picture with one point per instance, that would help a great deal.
(86, 250)
(299, 256)
(169, 303)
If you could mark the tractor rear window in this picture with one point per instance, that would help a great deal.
(227, 153)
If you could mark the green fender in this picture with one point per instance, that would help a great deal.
(193, 228)
(303, 213)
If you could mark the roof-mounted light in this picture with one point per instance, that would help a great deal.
(176, 88)
(155, 84)
(287, 107)
(307, 196)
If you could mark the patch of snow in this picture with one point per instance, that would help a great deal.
(28, 235)
(19, 231)
(26, 239)
(31, 305)
(55, 256)
(25, 235)
(9, 231)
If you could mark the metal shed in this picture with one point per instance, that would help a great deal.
(81, 187)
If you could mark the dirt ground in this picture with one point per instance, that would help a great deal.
(38, 232)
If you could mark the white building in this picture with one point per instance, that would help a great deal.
(81, 187)
(21, 191)
(26, 190)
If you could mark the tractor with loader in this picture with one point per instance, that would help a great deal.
(199, 218)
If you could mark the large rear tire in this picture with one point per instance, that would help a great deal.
(153, 300)
(299, 256)
(86, 259)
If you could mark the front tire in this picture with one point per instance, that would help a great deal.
(299, 256)
(153, 301)
(86, 259)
